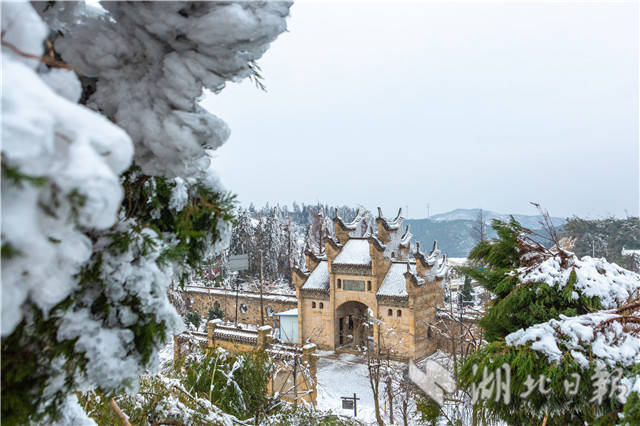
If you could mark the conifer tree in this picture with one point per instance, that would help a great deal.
(466, 289)
(552, 317)
(108, 187)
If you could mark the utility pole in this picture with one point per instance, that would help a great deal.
(289, 249)
(261, 285)
(235, 281)
(428, 211)
(295, 381)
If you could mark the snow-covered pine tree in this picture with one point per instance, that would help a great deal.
(272, 243)
(466, 289)
(555, 318)
(97, 220)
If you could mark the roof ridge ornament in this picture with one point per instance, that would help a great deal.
(398, 215)
(435, 247)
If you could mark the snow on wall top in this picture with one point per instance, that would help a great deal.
(596, 278)
(626, 252)
(394, 283)
(354, 252)
(289, 313)
(319, 278)
(578, 334)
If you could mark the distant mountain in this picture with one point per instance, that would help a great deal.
(452, 229)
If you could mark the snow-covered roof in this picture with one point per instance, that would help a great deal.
(354, 252)
(627, 252)
(319, 278)
(394, 283)
(596, 278)
(289, 313)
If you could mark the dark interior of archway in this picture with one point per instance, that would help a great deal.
(352, 326)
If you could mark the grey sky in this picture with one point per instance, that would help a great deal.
(457, 105)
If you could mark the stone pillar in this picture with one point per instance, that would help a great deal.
(310, 359)
(176, 348)
(264, 336)
(211, 327)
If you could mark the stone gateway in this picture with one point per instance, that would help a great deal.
(367, 287)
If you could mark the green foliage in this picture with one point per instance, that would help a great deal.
(9, 251)
(466, 289)
(17, 178)
(215, 313)
(561, 407)
(604, 237)
(147, 198)
(29, 352)
(236, 383)
(159, 401)
(181, 395)
(304, 416)
(518, 305)
(429, 411)
(193, 318)
(521, 305)
(26, 355)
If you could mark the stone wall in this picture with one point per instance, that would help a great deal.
(294, 375)
(316, 323)
(201, 299)
(396, 331)
(426, 338)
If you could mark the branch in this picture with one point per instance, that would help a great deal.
(47, 60)
(123, 417)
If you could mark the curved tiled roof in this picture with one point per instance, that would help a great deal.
(319, 278)
(395, 283)
(354, 252)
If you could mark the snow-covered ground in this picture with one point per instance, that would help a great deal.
(342, 375)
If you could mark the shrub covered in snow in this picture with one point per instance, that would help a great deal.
(108, 190)
(567, 328)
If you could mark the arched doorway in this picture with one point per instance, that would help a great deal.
(353, 328)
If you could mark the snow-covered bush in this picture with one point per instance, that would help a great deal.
(108, 189)
(563, 335)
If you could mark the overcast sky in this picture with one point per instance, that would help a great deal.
(456, 105)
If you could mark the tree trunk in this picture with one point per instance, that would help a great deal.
(390, 396)
(261, 285)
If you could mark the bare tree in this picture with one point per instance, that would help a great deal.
(479, 228)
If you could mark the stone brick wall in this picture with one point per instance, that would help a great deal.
(201, 299)
(425, 302)
(294, 375)
(396, 332)
(317, 323)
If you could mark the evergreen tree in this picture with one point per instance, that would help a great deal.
(542, 297)
(108, 194)
(466, 289)
(604, 238)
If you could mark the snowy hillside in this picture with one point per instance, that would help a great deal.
(453, 230)
(528, 221)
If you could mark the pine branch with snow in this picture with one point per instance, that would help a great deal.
(558, 322)
(108, 188)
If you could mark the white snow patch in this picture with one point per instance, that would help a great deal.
(319, 277)
(596, 278)
(354, 252)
